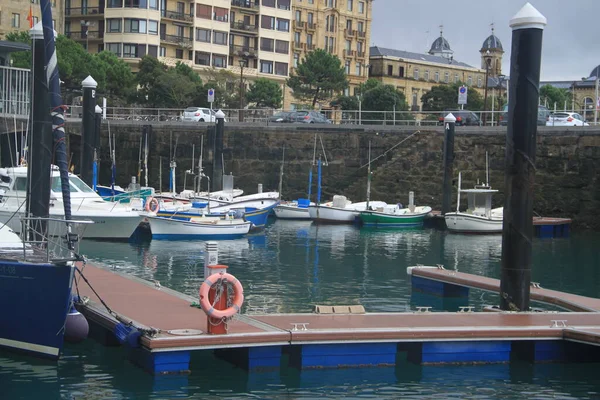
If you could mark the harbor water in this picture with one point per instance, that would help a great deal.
(289, 268)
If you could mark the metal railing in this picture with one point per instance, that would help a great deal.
(248, 4)
(241, 26)
(80, 11)
(175, 39)
(86, 35)
(15, 91)
(242, 51)
(179, 16)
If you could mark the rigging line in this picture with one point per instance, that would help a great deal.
(315, 150)
(323, 149)
(390, 149)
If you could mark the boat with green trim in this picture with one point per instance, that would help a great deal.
(392, 216)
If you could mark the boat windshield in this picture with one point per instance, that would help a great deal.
(75, 185)
(480, 203)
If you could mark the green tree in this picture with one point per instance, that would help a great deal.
(265, 93)
(553, 95)
(226, 86)
(119, 83)
(346, 103)
(445, 97)
(175, 87)
(149, 72)
(318, 77)
(20, 59)
(377, 98)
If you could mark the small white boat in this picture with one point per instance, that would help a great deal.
(479, 217)
(340, 210)
(297, 209)
(201, 227)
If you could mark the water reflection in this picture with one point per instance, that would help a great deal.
(476, 254)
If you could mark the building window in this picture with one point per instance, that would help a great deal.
(283, 25)
(221, 14)
(360, 27)
(309, 40)
(114, 4)
(113, 25)
(469, 80)
(179, 54)
(426, 75)
(281, 68)
(416, 74)
(401, 72)
(163, 51)
(268, 3)
(267, 22)
(134, 26)
(479, 82)
(114, 48)
(436, 76)
(361, 7)
(347, 67)
(310, 18)
(267, 44)
(153, 27)
(266, 67)
(297, 37)
(219, 61)
(390, 70)
(15, 22)
(282, 47)
(331, 3)
(331, 44)
(136, 4)
(202, 58)
(298, 16)
(347, 92)
(283, 4)
(296, 60)
(153, 5)
(220, 37)
(455, 78)
(359, 47)
(152, 50)
(358, 69)
(203, 35)
(349, 5)
(203, 11)
(130, 50)
(446, 77)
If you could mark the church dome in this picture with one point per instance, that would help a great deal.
(440, 45)
(595, 72)
(492, 42)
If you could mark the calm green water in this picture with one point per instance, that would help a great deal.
(289, 268)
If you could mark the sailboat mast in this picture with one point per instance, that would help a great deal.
(146, 150)
(369, 177)
(281, 173)
(487, 170)
(319, 181)
(458, 195)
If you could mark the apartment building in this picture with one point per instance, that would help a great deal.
(14, 13)
(341, 27)
(204, 34)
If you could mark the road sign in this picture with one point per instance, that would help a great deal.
(462, 95)
(211, 95)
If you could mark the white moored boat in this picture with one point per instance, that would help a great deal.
(340, 210)
(293, 209)
(479, 217)
(201, 227)
(111, 220)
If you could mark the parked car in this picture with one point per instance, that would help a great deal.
(199, 114)
(309, 117)
(463, 118)
(566, 119)
(543, 115)
(283, 116)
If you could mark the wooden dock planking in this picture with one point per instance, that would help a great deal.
(167, 310)
(567, 301)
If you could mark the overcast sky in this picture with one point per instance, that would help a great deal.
(571, 44)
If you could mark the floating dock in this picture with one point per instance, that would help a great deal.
(161, 328)
(544, 227)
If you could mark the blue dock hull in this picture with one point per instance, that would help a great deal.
(35, 301)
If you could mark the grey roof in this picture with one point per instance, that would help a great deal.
(595, 72)
(440, 45)
(494, 82)
(589, 83)
(492, 42)
(7, 46)
(383, 52)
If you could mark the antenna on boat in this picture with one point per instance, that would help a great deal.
(323, 150)
(369, 177)
(160, 175)
(146, 150)
(281, 173)
(458, 195)
(487, 170)
(200, 173)
(315, 151)
(139, 172)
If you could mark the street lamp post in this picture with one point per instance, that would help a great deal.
(488, 60)
(241, 112)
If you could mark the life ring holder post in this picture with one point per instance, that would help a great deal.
(217, 326)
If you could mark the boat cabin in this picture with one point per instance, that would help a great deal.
(479, 201)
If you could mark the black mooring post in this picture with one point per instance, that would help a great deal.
(525, 62)
(39, 141)
(88, 132)
(97, 128)
(217, 175)
(449, 126)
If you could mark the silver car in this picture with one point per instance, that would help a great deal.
(199, 114)
(309, 117)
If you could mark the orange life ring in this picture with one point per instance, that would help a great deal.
(238, 298)
(152, 205)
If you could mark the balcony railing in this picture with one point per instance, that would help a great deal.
(311, 26)
(298, 24)
(89, 35)
(179, 16)
(310, 46)
(349, 32)
(298, 45)
(241, 26)
(360, 54)
(80, 11)
(178, 40)
(242, 51)
(246, 4)
(15, 91)
(349, 53)
(362, 34)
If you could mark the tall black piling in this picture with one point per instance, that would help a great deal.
(449, 127)
(525, 63)
(39, 140)
(217, 173)
(88, 132)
